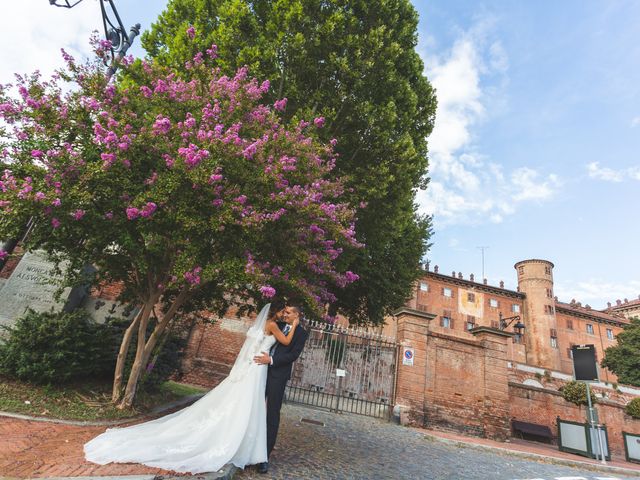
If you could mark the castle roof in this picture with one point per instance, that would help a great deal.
(576, 309)
(483, 287)
(627, 304)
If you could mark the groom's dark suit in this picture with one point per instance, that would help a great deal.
(279, 373)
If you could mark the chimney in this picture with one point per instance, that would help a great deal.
(626, 300)
(484, 280)
(580, 304)
(471, 277)
(573, 301)
(608, 304)
(436, 268)
(460, 275)
(587, 306)
(555, 298)
(618, 302)
(501, 284)
(453, 274)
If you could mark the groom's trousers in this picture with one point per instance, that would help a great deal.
(275, 395)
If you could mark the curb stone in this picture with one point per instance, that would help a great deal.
(99, 423)
(533, 456)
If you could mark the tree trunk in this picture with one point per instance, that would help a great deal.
(122, 357)
(145, 347)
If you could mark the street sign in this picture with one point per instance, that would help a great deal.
(585, 366)
(407, 357)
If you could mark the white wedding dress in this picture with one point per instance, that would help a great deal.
(227, 425)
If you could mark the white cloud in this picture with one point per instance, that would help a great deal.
(610, 175)
(33, 32)
(597, 292)
(466, 186)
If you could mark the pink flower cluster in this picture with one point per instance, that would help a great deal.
(267, 291)
(193, 277)
(144, 212)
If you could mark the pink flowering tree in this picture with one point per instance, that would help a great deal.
(179, 185)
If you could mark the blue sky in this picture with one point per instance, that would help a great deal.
(535, 150)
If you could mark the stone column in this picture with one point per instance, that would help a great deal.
(413, 326)
(496, 414)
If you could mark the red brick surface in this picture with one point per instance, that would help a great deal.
(38, 449)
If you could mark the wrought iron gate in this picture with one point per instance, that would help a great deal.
(368, 362)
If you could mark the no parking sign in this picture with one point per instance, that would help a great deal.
(407, 356)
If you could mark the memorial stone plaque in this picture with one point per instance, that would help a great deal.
(31, 285)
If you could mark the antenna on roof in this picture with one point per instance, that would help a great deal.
(482, 249)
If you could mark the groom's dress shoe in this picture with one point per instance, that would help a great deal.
(263, 467)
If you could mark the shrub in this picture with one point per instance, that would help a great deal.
(576, 392)
(60, 347)
(54, 347)
(633, 408)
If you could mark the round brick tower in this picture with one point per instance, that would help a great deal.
(535, 280)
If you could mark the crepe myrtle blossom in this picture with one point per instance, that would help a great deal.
(267, 291)
(3, 254)
(185, 171)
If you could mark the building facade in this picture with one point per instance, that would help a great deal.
(627, 308)
(551, 328)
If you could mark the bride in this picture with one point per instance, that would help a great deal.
(227, 425)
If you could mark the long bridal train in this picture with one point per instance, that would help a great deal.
(227, 425)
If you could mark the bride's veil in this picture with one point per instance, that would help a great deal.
(255, 334)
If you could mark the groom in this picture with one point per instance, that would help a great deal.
(280, 361)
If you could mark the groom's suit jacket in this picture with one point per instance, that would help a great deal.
(285, 355)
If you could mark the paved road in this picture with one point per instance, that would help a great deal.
(355, 447)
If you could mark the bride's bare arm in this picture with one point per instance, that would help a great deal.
(281, 337)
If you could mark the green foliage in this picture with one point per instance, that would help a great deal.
(355, 63)
(61, 347)
(623, 359)
(56, 347)
(633, 408)
(576, 392)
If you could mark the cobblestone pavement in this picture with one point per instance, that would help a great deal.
(346, 447)
(355, 447)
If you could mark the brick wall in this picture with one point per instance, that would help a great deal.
(458, 380)
(213, 347)
(12, 263)
(542, 406)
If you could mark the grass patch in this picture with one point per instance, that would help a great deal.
(86, 400)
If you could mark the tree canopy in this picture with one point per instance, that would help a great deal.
(179, 185)
(354, 63)
(623, 359)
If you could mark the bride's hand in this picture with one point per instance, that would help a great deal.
(296, 322)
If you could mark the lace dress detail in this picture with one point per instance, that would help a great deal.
(227, 425)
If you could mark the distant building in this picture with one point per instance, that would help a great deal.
(551, 327)
(626, 308)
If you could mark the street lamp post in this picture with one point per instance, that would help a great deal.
(114, 30)
(518, 328)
